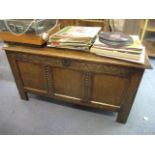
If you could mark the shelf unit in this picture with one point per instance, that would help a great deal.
(148, 25)
(104, 23)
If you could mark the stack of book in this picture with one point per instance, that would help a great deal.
(135, 52)
(74, 37)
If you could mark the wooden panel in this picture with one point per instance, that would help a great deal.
(108, 89)
(32, 75)
(67, 82)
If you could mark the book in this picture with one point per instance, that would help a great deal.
(137, 58)
(74, 37)
(80, 48)
(78, 32)
(132, 53)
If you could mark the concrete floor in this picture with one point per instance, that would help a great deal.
(45, 116)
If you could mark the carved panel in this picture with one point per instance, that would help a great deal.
(38, 59)
(107, 69)
(77, 65)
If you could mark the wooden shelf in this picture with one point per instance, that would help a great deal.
(148, 25)
(150, 48)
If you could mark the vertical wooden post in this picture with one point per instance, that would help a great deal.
(130, 96)
(16, 73)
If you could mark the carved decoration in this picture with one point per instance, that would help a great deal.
(66, 62)
(38, 59)
(48, 77)
(77, 65)
(107, 69)
(87, 86)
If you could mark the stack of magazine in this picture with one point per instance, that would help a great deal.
(127, 48)
(74, 37)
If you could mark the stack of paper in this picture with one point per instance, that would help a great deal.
(74, 37)
(133, 53)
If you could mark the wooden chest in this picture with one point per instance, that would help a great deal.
(77, 77)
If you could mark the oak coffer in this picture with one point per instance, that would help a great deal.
(76, 77)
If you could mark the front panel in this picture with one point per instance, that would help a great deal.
(108, 89)
(67, 82)
(32, 75)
